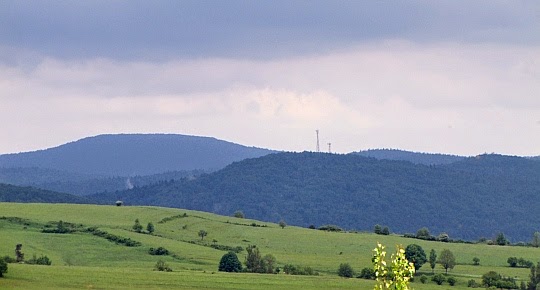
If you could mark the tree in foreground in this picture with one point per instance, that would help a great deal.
(447, 260)
(3, 267)
(416, 255)
(230, 263)
(345, 270)
(137, 226)
(432, 260)
(202, 234)
(397, 275)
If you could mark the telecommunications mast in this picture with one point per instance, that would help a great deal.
(329, 147)
(318, 148)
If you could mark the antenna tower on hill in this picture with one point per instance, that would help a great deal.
(329, 147)
(318, 148)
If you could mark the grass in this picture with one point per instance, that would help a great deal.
(84, 261)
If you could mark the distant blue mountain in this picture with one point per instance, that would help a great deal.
(414, 157)
(135, 154)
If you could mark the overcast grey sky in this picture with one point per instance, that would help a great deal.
(459, 77)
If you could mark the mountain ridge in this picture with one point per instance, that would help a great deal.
(135, 154)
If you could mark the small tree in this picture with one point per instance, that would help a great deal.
(253, 260)
(401, 271)
(268, 263)
(202, 234)
(230, 263)
(476, 261)
(377, 229)
(432, 259)
(282, 224)
(137, 226)
(423, 233)
(536, 240)
(447, 260)
(150, 228)
(416, 255)
(345, 270)
(119, 203)
(534, 278)
(238, 214)
(18, 253)
(386, 231)
(512, 261)
(3, 267)
(501, 240)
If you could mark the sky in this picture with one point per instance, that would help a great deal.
(455, 77)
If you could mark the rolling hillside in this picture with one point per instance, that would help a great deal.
(498, 193)
(135, 154)
(194, 261)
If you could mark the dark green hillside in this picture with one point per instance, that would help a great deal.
(81, 184)
(357, 192)
(414, 157)
(135, 154)
(11, 193)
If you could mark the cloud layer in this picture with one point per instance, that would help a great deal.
(456, 77)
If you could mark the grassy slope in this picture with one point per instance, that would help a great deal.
(80, 260)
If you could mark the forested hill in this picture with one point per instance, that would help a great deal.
(12, 193)
(83, 184)
(414, 157)
(357, 192)
(135, 154)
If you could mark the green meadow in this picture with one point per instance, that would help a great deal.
(81, 260)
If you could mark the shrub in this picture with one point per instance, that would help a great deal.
(291, 269)
(3, 267)
(385, 231)
(162, 266)
(451, 280)
(230, 263)
(472, 283)
(330, 228)
(367, 273)
(438, 278)
(160, 251)
(476, 261)
(8, 259)
(42, 260)
(119, 203)
(345, 270)
(423, 279)
(238, 214)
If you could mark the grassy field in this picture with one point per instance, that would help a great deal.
(83, 261)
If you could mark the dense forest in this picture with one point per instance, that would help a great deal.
(414, 157)
(83, 184)
(135, 154)
(473, 198)
(12, 193)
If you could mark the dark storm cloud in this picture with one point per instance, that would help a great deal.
(154, 30)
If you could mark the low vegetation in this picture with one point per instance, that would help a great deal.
(302, 258)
